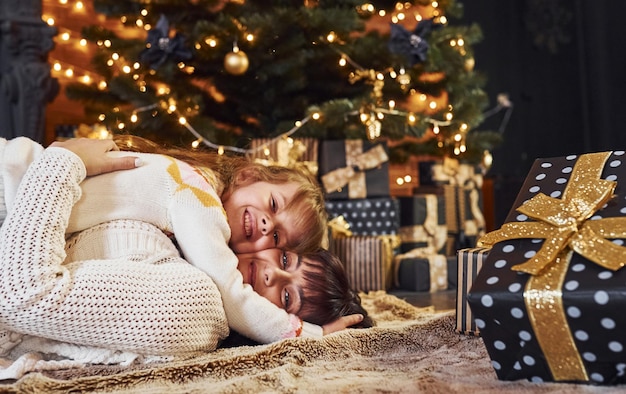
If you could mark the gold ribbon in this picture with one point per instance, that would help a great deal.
(466, 179)
(430, 232)
(339, 227)
(435, 236)
(564, 225)
(353, 173)
(300, 153)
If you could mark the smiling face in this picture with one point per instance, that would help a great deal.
(276, 275)
(259, 217)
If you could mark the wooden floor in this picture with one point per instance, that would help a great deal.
(441, 300)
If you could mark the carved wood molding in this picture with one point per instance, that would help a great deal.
(25, 82)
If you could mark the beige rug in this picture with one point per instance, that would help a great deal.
(411, 350)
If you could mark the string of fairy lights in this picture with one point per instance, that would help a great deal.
(370, 117)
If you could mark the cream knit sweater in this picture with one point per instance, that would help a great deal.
(122, 285)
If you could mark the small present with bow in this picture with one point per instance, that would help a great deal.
(287, 152)
(549, 299)
(353, 169)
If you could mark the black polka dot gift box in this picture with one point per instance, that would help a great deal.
(549, 300)
(369, 216)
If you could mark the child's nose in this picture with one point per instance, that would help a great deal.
(275, 276)
(266, 226)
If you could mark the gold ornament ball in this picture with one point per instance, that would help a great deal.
(469, 63)
(236, 63)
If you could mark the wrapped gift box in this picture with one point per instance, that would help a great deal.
(354, 169)
(368, 260)
(423, 223)
(371, 216)
(286, 151)
(464, 218)
(549, 300)
(430, 273)
(469, 263)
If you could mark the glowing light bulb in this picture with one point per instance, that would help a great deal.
(182, 120)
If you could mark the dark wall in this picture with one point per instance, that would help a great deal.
(569, 98)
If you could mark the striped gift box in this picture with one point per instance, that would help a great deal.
(469, 263)
(368, 260)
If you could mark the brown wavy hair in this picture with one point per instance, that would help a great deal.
(236, 171)
(327, 294)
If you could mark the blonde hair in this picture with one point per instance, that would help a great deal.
(238, 171)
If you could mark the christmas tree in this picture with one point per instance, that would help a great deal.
(222, 73)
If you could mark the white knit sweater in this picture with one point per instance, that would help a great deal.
(122, 280)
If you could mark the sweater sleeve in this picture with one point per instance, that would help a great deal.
(202, 232)
(123, 286)
(15, 157)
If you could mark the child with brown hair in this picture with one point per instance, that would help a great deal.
(73, 292)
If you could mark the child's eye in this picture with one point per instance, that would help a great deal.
(273, 204)
(285, 260)
(276, 239)
(287, 300)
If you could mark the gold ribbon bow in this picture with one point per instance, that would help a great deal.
(356, 163)
(563, 222)
(564, 225)
(339, 227)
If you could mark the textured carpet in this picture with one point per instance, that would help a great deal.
(411, 350)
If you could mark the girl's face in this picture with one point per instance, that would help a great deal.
(276, 275)
(258, 217)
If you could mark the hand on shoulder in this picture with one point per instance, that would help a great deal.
(92, 152)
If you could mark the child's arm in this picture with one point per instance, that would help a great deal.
(142, 297)
(174, 197)
(202, 233)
